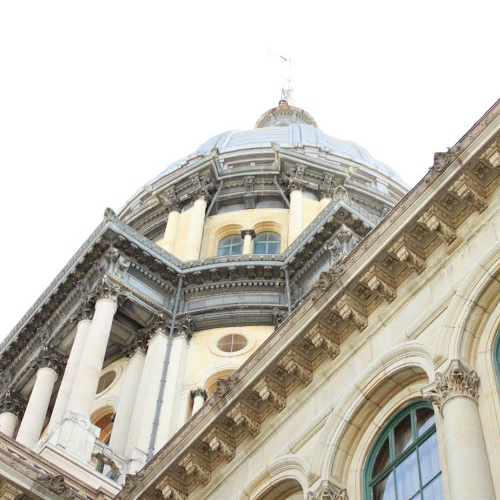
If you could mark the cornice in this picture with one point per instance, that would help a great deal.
(342, 301)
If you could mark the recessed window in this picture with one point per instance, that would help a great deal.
(268, 242)
(404, 463)
(232, 343)
(230, 245)
(105, 381)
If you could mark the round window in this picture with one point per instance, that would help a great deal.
(232, 343)
(105, 381)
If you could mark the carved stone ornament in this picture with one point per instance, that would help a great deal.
(200, 392)
(278, 316)
(9, 491)
(12, 402)
(109, 215)
(457, 380)
(109, 290)
(86, 310)
(327, 491)
(224, 385)
(132, 480)
(186, 327)
(57, 485)
(50, 358)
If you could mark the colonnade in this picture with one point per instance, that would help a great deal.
(455, 394)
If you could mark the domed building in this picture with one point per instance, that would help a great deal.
(272, 317)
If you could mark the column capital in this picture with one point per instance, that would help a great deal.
(49, 358)
(457, 380)
(250, 232)
(327, 491)
(111, 291)
(86, 309)
(199, 392)
(12, 402)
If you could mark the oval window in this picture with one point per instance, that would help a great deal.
(232, 343)
(105, 381)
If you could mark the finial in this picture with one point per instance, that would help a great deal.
(287, 88)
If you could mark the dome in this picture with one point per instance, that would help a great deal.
(290, 127)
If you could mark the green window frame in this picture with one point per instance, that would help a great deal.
(496, 360)
(267, 242)
(404, 461)
(230, 245)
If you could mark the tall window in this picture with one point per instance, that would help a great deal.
(268, 242)
(230, 245)
(404, 462)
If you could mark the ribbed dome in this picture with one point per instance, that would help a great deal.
(289, 127)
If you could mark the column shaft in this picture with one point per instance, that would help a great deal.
(171, 396)
(198, 402)
(126, 405)
(247, 244)
(171, 231)
(468, 465)
(296, 214)
(70, 372)
(195, 234)
(141, 423)
(8, 423)
(90, 367)
(34, 416)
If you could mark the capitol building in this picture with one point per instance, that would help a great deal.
(276, 316)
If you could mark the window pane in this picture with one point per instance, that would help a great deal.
(384, 490)
(425, 419)
(402, 435)
(407, 481)
(382, 459)
(434, 491)
(268, 242)
(428, 454)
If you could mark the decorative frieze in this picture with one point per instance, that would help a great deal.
(457, 380)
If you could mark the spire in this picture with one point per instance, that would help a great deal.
(287, 88)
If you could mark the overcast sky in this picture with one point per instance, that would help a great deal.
(98, 97)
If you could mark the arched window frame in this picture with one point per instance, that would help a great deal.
(410, 408)
(236, 241)
(496, 355)
(267, 243)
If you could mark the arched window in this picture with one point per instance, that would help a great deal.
(404, 462)
(268, 242)
(230, 245)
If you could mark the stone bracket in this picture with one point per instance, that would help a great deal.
(434, 219)
(408, 253)
(268, 390)
(469, 190)
(245, 417)
(298, 366)
(219, 441)
(381, 283)
(318, 335)
(349, 313)
(196, 466)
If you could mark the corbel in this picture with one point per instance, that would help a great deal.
(245, 417)
(492, 154)
(298, 366)
(219, 441)
(169, 490)
(469, 190)
(196, 466)
(350, 313)
(434, 219)
(268, 390)
(380, 282)
(319, 336)
(406, 251)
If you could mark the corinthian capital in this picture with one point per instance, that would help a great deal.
(109, 290)
(457, 380)
(12, 402)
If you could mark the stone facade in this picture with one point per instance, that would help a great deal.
(156, 367)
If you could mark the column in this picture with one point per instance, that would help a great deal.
(171, 229)
(248, 235)
(141, 423)
(128, 396)
(454, 392)
(172, 394)
(195, 233)
(199, 397)
(34, 417)
(296, 213)
(324, 201)
(12, 407)
(83, 317)
(89, 370)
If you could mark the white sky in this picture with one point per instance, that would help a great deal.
(98, 97)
